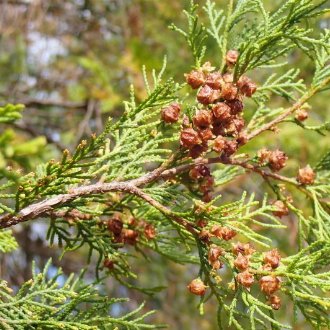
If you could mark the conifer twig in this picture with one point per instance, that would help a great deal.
(289, 111)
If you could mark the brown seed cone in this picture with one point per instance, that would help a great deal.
(189, 138)
(239, 123)
(207, 95)
(229, 91)
(206, 134)
(221, 112)
(214, 80)
(197, 287)
(216, 231)
(202, 119)
(241, 262)
(269, 284)
(263, 156)
(275, 302)
(204, 235)
(194, 174)
(115, 225)
(236, 106)
(242, 138)
(130, 236)
(206, 184)
(230, 147)
(281, 209)
(219, 144)
(231, 57)
(108, 263)
(229, 129)
(227, 233)
(245, 249)
(197, 150)
(277, 160)
(195, 79)
(214, 253)
(228, 78)
(301, 114)
(170, 114)
(201, 223)
(272, 258)
(245, 278)
(246, 86)
(219, 129)
(199, 171)
(306, 175)
(149, 231)
(207, 197)
(216, 264)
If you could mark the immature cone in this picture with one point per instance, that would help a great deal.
(301, 114)
(189, 138)
(277, 160)
(204, 235)
(275, 302)
(223, 232)
(242, 138)
(115, 226)
(245, 278)
(239, 123)
(216, 265)
(246, 86)
(130, 236)
(207, 197)
(216, 231)
(195, 79)
(221, 111)
(229, 91)
(263, 156)
(231, 57)
(201, 223)
(272, 258)
(214, 80)
(199, 171)
(108, 263)
(227, 233)
(206, 134)
(236, 106)
(245, 249)
(269, 284)
(197, 150)
(219, 144)
(241, 262)
(207, 95)
(306, 175)
(170, 114)
(228, 78)
(150, 231)
(230, 147)
(202, 119)
(207, 184)
(281, 209)
(214, 253)
(197, 287)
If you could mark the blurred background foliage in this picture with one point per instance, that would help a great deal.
(71, 63)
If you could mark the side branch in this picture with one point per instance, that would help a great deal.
(289, 111)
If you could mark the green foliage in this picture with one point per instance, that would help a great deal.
(324, 163)
(195, 36)
(43, 303)
(7, 241)
(10, 112)
(132, 146)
